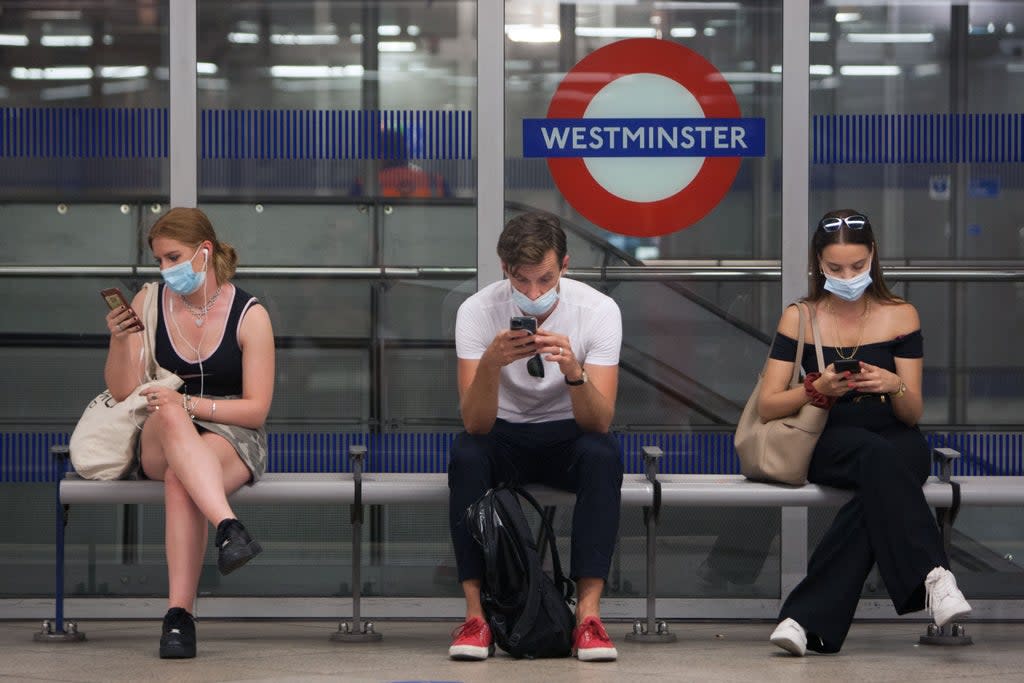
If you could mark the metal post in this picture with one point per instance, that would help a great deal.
(652, 631)
(356, 630)
(58, 631)
(952, 633)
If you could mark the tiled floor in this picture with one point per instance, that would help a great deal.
(416, 651)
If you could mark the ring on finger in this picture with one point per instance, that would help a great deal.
(120, 326)
(559, 350)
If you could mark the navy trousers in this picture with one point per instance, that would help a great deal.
(864, 448)
(558, 454)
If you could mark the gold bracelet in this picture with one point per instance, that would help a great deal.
(899, 392)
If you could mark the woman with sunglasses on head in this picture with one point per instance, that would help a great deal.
(870, 445)
(206, 440)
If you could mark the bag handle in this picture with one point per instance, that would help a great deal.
(817, 338)
(564, 585)
(149, 319)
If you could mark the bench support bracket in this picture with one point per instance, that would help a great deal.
(651, 630)
(357, 630)
(59, 630)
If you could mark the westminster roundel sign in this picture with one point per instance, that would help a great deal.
(643, 137)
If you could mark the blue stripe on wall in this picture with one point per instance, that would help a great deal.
(25, 456)
(917, 138)
(137, 133)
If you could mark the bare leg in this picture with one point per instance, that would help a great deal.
(471, 589)
(589, 605)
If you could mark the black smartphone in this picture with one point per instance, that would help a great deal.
(115, 299)
(847, 365)
(534, 366)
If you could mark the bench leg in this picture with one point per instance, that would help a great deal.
(58, 630)
(651, 631)
(356, 631)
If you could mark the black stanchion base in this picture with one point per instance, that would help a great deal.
(70, 634)
(950, 634)
(347, 633)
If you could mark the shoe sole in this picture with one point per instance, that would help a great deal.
(239, 557)
(789, 645)
(469, 653)
(177, 651)
(597, 654)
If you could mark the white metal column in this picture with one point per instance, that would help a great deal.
(183, 126)
(490, 137)
(796, 28)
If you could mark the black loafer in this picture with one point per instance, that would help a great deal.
(235, 546)
(178, 640)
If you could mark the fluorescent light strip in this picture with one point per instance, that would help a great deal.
(289, 71)
(389, 30)
(243, 38)
(870, 70)
(819, 36)
(683, 32)
(66, 41)
(304, 39)
(135, 71)
(615, 32)
(396, 46)
(847, 16)
(751, 77)
(13, 40)
(891, 37)
(528, 33)
(696, 5)
(206, 68)
(53, 73)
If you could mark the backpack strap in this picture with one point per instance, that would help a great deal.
(565, 585)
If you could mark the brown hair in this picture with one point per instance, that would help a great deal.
(527, 238)
(191, 226)
(845, 235)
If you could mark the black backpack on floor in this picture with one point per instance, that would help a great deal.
(527, 610)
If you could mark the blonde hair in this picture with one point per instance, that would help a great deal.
(191, 226)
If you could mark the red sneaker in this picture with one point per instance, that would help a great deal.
(591, 642)
(472, 641)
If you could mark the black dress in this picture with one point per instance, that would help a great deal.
(867, 449)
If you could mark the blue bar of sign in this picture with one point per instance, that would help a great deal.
(643, 137)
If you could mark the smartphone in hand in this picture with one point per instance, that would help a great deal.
(534, 366)
(115, 299)
(847, 365)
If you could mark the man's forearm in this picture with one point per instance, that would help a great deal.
(591, 408)
(479, 405)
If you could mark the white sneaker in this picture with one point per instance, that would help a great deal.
(944, 601)
(791, 637)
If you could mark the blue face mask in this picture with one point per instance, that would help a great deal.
(182, 279)
(851, 289)
(538, 306)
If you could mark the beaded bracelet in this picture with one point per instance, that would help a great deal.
(818, 399)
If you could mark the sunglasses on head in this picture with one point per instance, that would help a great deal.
(833, 223)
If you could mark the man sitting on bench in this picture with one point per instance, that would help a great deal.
(537, 404)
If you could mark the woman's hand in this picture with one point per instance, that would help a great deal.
(832, 383)
(874, 380)
(122, 322)
(160, 396)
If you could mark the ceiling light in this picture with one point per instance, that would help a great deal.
(683, 32)
(206, 68)
(891, 37)
(390, 30)
(396, 46)
(615, 32)
(123, 71)
(302, 71)
(820, 36)
(66, 41)
(243, 37)
(413, 30)
(53, 73)
(870, 70)
(13, 39)
(304, 39)
(528, 33)
(847, 16)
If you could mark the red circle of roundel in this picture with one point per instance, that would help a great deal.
(663, 58)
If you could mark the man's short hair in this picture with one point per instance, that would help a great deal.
(528, 238)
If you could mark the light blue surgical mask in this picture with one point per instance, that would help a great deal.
(850, 289)
(181, 279)
(538, 306)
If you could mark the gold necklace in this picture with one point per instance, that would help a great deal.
(835, 325)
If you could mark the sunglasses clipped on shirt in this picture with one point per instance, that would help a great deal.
(833, 223)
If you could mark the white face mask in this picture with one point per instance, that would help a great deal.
(538, 306)
(849, 289)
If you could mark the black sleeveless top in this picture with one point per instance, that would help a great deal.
(222, 369)
(882, 354)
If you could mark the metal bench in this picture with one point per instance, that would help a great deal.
(649, 491)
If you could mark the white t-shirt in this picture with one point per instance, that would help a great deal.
(590, 319)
